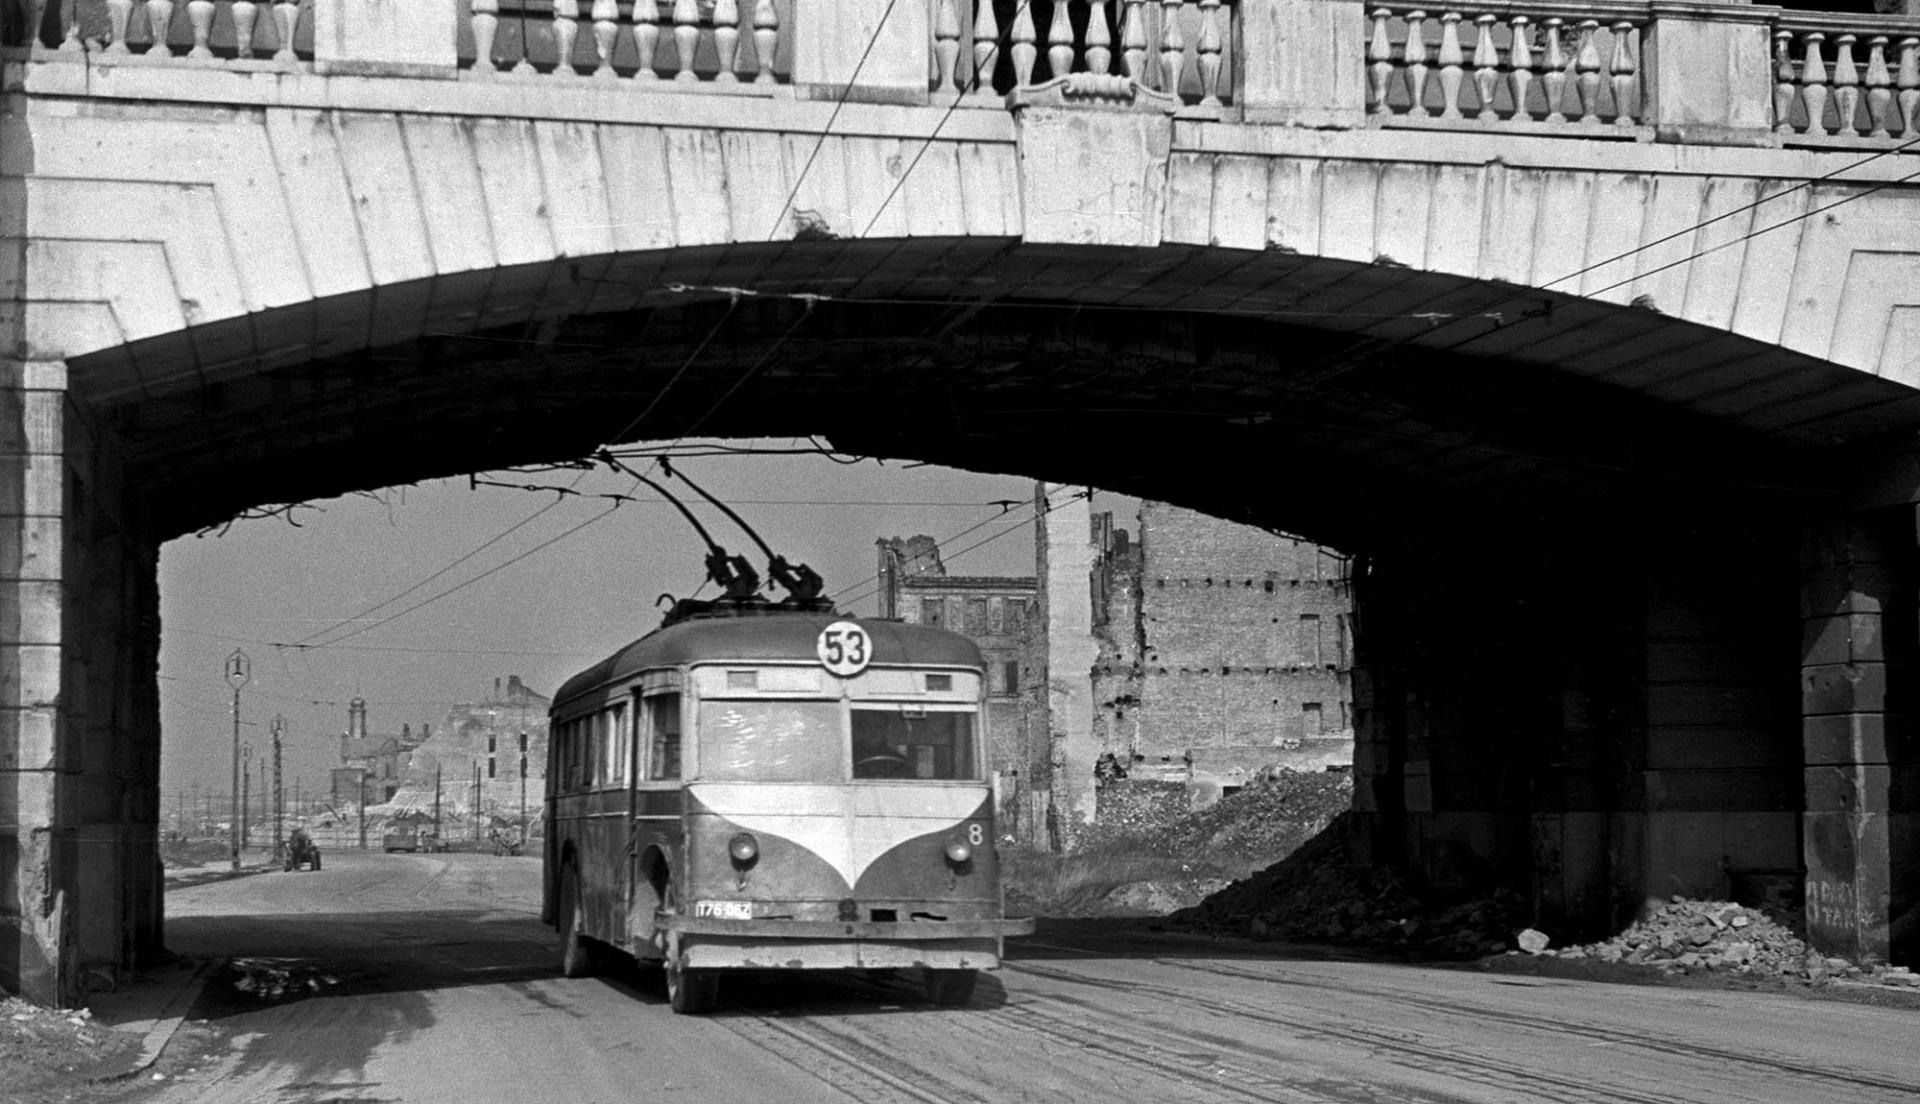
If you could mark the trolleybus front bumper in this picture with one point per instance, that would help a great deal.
(708, 941)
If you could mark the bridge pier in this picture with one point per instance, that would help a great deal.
(79, 701)
(1861, 830)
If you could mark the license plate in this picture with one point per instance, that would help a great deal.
(724, 910)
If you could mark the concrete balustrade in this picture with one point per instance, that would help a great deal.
(1551, 64)
(1703, 73)
(1846, 77)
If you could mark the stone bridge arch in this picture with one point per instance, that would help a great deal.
(220, 271)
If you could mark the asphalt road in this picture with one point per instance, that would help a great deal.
(429, 979)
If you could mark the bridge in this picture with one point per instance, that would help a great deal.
(1592, 327)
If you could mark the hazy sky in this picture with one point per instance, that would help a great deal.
(265, 584)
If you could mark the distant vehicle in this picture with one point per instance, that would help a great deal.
(766, 784)
(401, 837)
(302, 851)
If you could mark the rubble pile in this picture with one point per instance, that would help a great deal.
(1251, 825)
(1686, 935)
(1313, 894)
(44, 1050)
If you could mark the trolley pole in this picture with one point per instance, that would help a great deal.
(523, 789)
(363, 808)
(239, 673)
(279, 728)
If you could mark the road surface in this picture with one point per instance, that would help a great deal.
(429, 979)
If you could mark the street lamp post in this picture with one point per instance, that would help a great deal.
(246, 786)
(279, 796)
(239, 673)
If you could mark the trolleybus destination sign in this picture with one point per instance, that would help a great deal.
(844, 648)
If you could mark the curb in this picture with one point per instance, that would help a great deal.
(173, 1012)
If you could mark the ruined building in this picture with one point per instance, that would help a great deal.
(475, 757)
(371, 763)
(995, 611)
(1202, 652)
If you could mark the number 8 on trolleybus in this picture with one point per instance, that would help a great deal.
(783, 789)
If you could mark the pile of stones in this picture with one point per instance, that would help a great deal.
(1685, 936)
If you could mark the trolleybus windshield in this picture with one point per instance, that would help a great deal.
(806, 741)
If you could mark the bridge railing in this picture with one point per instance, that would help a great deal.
(1839, 78)
(718, 42)
(205, 31)
(1185, 48)
(1511, 65)
(1665, 70)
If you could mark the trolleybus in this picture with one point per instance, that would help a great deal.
(756, 786)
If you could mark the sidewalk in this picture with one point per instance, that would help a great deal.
(152, 1004)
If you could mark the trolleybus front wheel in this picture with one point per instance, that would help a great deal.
(576, 951)
(951, 987)
(691, 990)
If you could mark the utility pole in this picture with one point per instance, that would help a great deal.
(437, 834)
(523, 789)
(476, 799)
(363, 808)
(279, 796)
(246, 786)
(239, 673)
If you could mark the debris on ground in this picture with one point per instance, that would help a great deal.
(1148, 853)
(48, 1050)
(1315, 895)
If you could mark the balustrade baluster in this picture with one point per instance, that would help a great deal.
(286, 18)
(1414, 57)
(1784, 90)
(1486, 65)
(159, 19)
(1099, 39)
(1586, 64)
(1208, 51)
(484, 17)
(1554, 76)
(1060, 40)
(726, 39)
(1813, 83)
(986, 47)
(1909, 83)
(1024, 51)
(606, 35)
(1133, 39)
(686, 39)
(646, 38)
(1520, 66)
(246, 15)
(119, 16)
(70, 43)
(1625, 74)
(566, 30)
(1879, 87)
(1846, 84)
(946, 45)
(200, 20)
(1452, 65)
(766, 39)
(1379, 62)
(1173, 47)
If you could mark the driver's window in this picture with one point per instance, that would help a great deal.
(904, 743)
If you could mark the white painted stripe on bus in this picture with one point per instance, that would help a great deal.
(848, 827)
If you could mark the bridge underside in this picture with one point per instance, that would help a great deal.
(1621, 634)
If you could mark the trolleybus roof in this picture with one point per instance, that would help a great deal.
(771, 637)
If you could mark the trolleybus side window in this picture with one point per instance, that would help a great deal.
(771, 741)
(661, 740)
(896, 742)
(610, 743)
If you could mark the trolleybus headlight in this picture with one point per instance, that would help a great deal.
(959, 851)
(744, 848)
